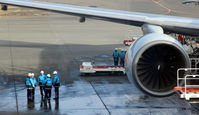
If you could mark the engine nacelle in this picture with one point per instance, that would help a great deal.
(153, 61)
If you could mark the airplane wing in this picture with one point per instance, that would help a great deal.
(188, 26)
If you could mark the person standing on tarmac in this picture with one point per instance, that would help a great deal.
(34, 83)
(48, 87)
(116, 56)
(41, 80)
(56, 84)
(29, 86)
(122, 57)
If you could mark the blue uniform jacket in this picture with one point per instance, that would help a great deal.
(28, 82)
(41, 79)
(33, 82)
(116, 54)
(48, 82)
(56, 81)
(122, 56)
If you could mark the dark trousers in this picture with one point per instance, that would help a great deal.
(41, 90)
(56, 91)
(122, 62)
(48, 93)
(115, 61)
(30, 93)
(33, 91)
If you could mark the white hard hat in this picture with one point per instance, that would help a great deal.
(32, 74)
(42, 71)
(116, 48)
(29, 74)
(54, 72)
(48, 75)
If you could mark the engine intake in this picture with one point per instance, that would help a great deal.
(153, 61)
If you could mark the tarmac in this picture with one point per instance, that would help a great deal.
(33, 40)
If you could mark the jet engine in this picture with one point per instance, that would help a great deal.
(152, 62)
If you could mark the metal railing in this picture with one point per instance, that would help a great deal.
(185, 70)
(189, 77)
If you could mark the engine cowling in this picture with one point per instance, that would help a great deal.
(152, 62)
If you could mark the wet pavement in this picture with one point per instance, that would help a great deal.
(88, 97)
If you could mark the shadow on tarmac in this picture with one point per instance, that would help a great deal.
(63, 58)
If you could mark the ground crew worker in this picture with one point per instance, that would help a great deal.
(56, 84)
(116, 56)
(28, 86)
(34, 83)
(122, 57)
(41, 80)
(48, 87)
